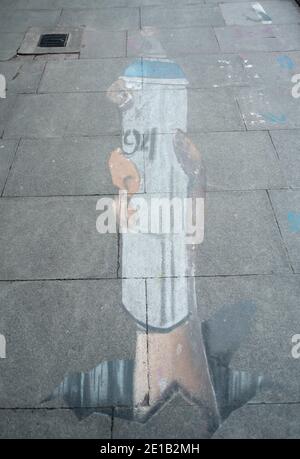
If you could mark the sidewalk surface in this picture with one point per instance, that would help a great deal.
(60, 282)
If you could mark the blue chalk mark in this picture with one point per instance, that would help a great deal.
(154, 69)
(278, 119)
(286, 62)
(294, 222)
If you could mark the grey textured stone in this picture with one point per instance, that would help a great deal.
(99, 19)
(54, 328)
(266, 347)
(213, 110)
(213, 70)
(19, 21)
(176, 419)
(7, 151)
(54, 238)
(239, 161)
(52, 424)
(176, 42)
(56, 115)
(270, 69)
(94, 44)
(21, 77)
(66, 4)
(189, 16)
(287, 209)
(287, 144)
(259, 38)
(10, 43)
(241, 236)
(277, 12)
(6, 107)
(262, 422)
(72, 166)
(81, 75)
(269, 108)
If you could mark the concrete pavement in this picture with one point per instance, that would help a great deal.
(60, 281)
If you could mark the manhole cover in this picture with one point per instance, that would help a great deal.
(53, 40)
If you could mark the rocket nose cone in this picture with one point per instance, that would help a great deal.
(150, 43)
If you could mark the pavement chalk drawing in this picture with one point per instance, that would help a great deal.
(294, 222)
(286, 62)
(2, 87)
(296, 88)
(279, 118)
(2, 347)
(176, 351)
(261, 15)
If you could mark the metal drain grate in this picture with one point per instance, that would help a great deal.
(53, 40)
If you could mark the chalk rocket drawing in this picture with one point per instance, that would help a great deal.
(175, 351)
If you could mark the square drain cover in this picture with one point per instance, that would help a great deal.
(53, 40)
(58, 40)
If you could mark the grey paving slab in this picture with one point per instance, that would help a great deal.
(175, 420)
(99, 19)
(259, 38)
(54, 238)
(264, 12)
(234, 161)
(175, 42)
(55, 328)
(287, 144)
(48, 4)
(270, 69)
(81, 75)
(56, 115)
(262, 422)
(7, 152)
(189, 16)
(52, 424)
(8, 4)
(95, 44)
(269, 108)
(258, 317)
(71, 166)
(10, 43)
(20, 21)
(21, 77)
(213, 110)
(213, 70)
(6, 107)
(239, 161)
(287, 209)
(241, 69)
(241, 236)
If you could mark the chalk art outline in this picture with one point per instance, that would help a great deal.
(2, 87)
(2, 347)
(175, 351)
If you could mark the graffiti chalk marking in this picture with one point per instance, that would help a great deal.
(296, 347)
(261, 14)
(296, 88)
(294, 222)
(2, 347)
(273, 118)
(2, 87)
(286, 62)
